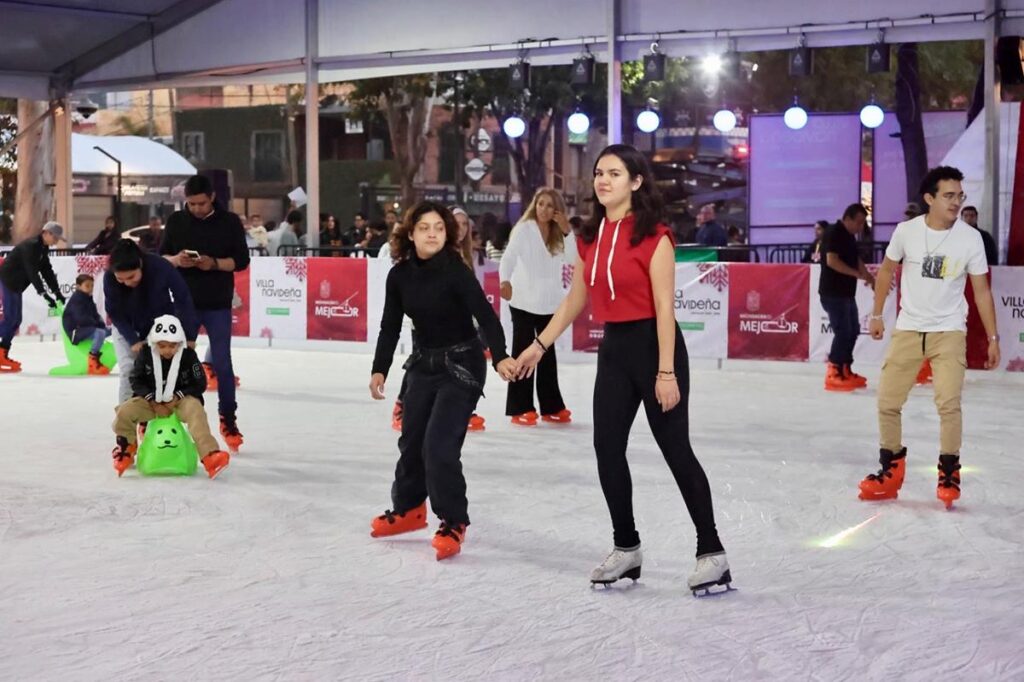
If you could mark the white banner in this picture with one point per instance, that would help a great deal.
(278, 298)
(1008, 293)
(702, 308)
(867, 350)
(37, 318)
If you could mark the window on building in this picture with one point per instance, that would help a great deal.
(268, 158)
(193, 146)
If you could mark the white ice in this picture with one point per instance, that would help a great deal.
(269, 572)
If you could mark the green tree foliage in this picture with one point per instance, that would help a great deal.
(404, 102)
(548, 101)
(840, 82)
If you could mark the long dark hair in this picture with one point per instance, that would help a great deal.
(402, 247)
(646, 203)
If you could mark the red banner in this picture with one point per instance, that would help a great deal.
(587, 333)
(768, 311)
(240, 305)
(336, 299)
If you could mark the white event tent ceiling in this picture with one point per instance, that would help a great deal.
(50, 47)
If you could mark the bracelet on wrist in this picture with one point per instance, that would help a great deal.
(666, 377)
(667, 372)
(540, 343)
(877, 317)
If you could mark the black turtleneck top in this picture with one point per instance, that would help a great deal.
(442, 297)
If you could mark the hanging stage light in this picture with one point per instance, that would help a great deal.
(514, 126)
(648, 120)
(724, 120)
(795, 117)
(578, 123)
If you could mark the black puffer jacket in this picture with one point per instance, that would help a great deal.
(191, 377)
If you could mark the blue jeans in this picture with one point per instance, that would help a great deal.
(218, 328)
(842, 315)
(12, 316)
(97, 334)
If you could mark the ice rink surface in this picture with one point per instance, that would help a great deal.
(269, 572)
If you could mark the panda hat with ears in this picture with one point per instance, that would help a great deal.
(166, 328)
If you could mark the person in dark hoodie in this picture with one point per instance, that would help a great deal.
(27, 263)
(167, 379)
(207, 245)
(81, 320)
(138, 288)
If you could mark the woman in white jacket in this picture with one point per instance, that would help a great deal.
(532, 281)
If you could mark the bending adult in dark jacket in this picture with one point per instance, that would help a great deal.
(219, 239)
(104, 243)
(138, 288)
(27, 263)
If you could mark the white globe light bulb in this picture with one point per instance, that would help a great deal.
(795, 117)
(579, 123)
(724, 120)
(648, 121)
(872, 116)
(514, 126)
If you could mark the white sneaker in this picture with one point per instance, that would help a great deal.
(621, 563)
(712, 569)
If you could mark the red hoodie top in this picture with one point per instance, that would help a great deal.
(618, 273)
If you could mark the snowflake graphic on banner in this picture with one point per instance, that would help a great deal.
(715, 274)
(1015, 365)
(295, 267)
(91, 265)
(266, 333)
(567, 275)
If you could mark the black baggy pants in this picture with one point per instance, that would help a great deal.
(436, 411)
(525, 327)
(627, 366)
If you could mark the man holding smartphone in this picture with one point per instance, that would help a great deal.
(207, 245)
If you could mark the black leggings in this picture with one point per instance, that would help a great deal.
(627, 365)
(525, 327)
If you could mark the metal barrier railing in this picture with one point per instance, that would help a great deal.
(292, 250)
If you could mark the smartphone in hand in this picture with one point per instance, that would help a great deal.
(194, 255)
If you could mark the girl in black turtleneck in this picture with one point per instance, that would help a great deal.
(432, 285)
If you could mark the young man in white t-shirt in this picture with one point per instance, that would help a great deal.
(939, 252)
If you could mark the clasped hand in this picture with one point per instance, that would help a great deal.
(507, 369)
(163, 409)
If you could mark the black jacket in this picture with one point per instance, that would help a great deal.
(191, 377)
(80, 313)
(161, 292)
(103, 243)
(29, 263)
(442, 297)
(220, 235)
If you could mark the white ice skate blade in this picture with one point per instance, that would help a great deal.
(706, 591)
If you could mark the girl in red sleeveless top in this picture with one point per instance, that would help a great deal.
(626, 265)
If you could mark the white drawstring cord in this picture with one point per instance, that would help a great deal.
(597, 253)
(611, 254)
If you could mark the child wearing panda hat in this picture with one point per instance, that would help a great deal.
(167, 378)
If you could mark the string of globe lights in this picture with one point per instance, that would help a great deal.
(724, 120)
